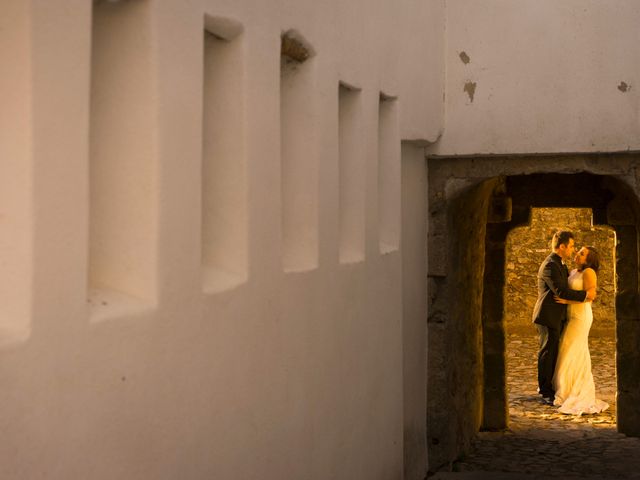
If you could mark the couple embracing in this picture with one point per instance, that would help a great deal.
(563, 317)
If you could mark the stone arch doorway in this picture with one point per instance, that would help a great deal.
(473, 204)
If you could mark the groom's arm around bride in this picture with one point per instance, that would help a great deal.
(552, 280)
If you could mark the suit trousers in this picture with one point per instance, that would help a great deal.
(547, 358)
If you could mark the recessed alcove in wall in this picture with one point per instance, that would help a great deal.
(388, 174)
(351, 173)
(298, 150)
(224, 164)
(123, 171)
(473, 205)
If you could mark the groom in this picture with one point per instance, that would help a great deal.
(550, 316)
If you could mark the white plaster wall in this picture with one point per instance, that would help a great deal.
(16, 176)
(278, 375)
(422, 26)
(547, 75)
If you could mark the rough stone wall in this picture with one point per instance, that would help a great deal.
(454, 403)
(467, 264)
(528, 246)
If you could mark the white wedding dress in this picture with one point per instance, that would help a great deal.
(573, 380)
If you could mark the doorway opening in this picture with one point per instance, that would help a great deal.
(474, 204)
(526, 248)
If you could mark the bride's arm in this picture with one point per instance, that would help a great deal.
(589, 283)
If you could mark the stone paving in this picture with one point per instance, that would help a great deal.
(542, 443)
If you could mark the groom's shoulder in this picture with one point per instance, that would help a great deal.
(550, 260)
(554, 257)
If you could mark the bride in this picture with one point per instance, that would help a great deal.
(573, 380)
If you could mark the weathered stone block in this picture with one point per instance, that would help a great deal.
(499, 210)
(437, 256)
(628, 413)
(628, 365)
(628, 305)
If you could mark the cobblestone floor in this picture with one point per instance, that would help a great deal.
(542, 443)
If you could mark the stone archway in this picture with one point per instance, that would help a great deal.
(473, 204)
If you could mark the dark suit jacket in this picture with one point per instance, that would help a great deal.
(552, 280)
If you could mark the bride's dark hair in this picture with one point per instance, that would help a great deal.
(593, 259)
